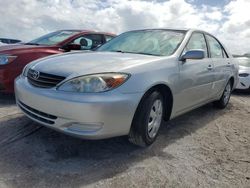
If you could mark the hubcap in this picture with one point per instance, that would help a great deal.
(155, 117)
(227, 93)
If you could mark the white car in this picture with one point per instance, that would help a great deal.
(244, 74)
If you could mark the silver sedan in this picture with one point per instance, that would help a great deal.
(128, 86)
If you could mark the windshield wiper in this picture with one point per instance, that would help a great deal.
(31, 43)
(143, 53)
(119, 51)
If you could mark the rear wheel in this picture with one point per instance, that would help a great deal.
(147, 120)
(222, 103)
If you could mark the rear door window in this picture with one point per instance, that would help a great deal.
(215, 48)
(97, 39)
(89, 41)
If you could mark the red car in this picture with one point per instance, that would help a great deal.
(13, 58)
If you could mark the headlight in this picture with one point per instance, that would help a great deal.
(6, 59)
(94, 83)
(243, 75)
(25, 71)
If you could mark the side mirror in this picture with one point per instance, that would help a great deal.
(193, 54)
(70, 47)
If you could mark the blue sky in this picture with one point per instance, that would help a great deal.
(218, 3)
(28, 19)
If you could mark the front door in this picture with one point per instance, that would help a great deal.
(196, 76)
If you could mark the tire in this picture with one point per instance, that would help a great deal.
(147, 120)
(224, 100)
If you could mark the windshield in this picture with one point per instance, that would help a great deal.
(149, 42)
(244, 62)
(53, 38)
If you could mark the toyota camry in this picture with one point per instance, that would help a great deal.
(129, 86)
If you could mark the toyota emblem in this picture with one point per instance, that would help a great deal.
(35, 75)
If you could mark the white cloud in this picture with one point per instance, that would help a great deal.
(235, 30)
(27, 19)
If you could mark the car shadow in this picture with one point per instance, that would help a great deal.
(38, 154)
(241, 93)
(7, 99)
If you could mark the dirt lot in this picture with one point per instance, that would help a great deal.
(204, 148)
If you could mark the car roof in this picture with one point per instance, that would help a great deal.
(86, 31)
(173, 29)
(170, 29)
(76, 30)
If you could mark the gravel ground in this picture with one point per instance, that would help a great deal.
(204, 148)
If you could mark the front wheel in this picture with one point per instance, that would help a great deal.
(224, 100)
(147, 120)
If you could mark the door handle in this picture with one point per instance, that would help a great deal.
(210, 67)
(228, 64)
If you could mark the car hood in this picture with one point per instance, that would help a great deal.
(90, 62)
(19, 48)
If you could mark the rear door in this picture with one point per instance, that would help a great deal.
(196, 75)
(222, 65)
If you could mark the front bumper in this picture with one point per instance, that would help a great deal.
(90, 116)
(244, 83)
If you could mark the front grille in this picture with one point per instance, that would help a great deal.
(43, 80)
(36, 114)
